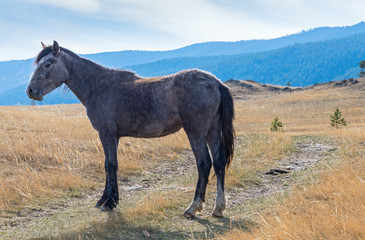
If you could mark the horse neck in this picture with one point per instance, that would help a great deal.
(86, 76)
(80, 76)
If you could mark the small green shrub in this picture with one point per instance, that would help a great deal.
(276, 125)
(337, 120)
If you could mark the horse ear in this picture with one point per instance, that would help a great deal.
(55, 48)
(43, 45)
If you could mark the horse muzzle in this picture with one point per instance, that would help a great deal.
(34, 93)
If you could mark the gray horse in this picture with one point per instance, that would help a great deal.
(120, 103)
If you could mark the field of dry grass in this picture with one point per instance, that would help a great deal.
(51, 173)
(47, 151)
(330, 207)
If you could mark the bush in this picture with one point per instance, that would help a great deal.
(276, 125)
(362, 66)
(337, 120)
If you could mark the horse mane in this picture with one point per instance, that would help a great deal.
(48, 49)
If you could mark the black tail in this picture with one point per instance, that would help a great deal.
(226, 110)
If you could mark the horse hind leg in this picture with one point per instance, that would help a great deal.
(204, 164)
(219, 164)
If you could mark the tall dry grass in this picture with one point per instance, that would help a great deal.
(256, 153)
(303, 112)
(46, 151)
(50, 151)
(332, 207)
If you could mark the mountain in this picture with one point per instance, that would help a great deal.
(308, 57)
(127, 58)
(299, 64)
(17, 96)
(14, 73)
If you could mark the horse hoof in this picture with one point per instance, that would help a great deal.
(217, 214)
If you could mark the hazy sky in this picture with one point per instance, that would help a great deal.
(89, 26)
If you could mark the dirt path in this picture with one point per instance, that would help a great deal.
(278, 178)
(62, 214)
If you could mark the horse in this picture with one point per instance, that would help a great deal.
(120, 103)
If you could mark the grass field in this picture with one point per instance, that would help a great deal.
(52, 172)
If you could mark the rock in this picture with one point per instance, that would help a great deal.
(277, 172)
(146, 233)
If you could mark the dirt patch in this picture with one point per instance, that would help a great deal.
(278, 178)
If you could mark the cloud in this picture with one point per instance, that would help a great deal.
(194, 20)
(87, 6)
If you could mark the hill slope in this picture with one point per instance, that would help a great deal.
(300, 64)
(17, 96)
(14, 73)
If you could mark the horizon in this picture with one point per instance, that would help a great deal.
(95, 26)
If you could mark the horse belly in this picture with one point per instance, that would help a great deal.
(152, 127)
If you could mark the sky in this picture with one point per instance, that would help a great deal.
(91, 26)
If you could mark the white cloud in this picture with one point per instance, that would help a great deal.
(197, 20)
(87, 6)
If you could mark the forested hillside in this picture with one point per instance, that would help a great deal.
(300, 64)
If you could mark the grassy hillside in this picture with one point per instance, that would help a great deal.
(51, 173)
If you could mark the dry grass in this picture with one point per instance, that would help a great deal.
(255, 154)
(332, 208)
(47, 151)
(52, 151)
(153, 205)
(304, 112)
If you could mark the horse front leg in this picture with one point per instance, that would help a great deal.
(110, 197)
(103, 198)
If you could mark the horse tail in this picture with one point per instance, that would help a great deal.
(226, 111)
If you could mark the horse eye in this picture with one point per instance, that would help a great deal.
(47, 65)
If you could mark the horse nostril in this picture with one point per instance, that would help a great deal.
(32, 92)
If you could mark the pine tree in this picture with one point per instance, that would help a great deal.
(276, 125)
(362, 66)
(337, 120)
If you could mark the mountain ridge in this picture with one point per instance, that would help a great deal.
(300, 64)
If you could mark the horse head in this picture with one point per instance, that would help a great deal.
(49, 73)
